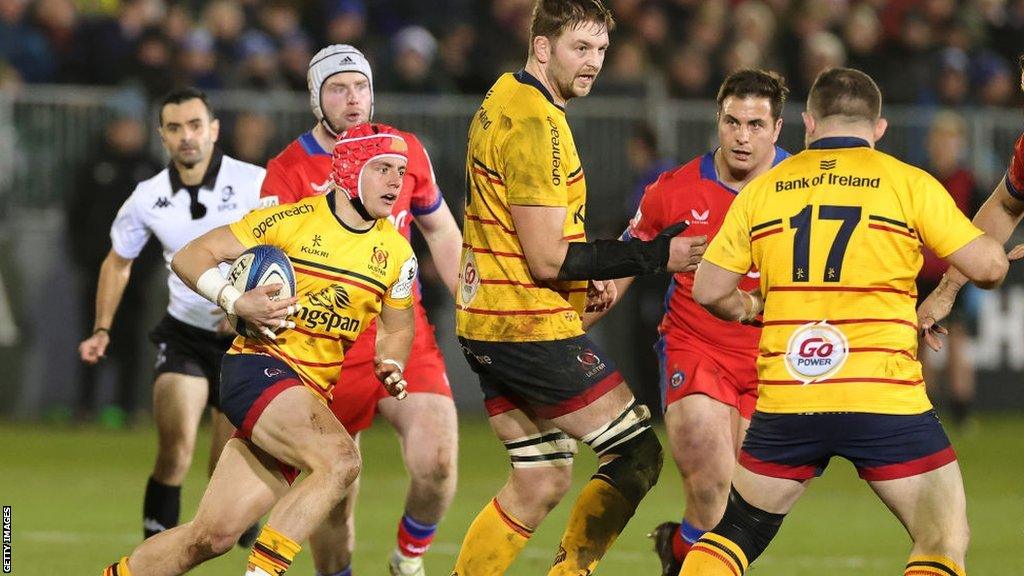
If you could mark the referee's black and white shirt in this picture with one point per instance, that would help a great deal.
(176, 214)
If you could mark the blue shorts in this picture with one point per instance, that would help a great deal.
(880, 446)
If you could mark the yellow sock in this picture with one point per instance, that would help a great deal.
(118, 569)
(714, 555)
(493, 541)
(923, 565)
(598, 516)
(272, 553)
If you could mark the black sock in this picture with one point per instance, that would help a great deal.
(161, 507)
(960, 410)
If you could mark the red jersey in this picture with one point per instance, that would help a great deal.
(694, 193)
(303, 169)
(960, 185)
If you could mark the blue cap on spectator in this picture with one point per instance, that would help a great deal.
(987, 66)
(953, 59)
(296, 39)
(255, 43)
(199, 40)
(127, 103)
(339, 8)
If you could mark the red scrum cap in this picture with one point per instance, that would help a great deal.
(355, 148)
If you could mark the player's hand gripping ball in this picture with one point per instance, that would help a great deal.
(260, 266)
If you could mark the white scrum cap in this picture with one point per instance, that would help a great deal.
(330, 61)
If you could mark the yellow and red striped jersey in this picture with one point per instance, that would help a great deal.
(342, 276)
(521, 152)
(836, 232)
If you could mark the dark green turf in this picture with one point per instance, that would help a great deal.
(76, 497)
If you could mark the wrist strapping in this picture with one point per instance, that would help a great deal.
(751, 314)
(393, 362)
(611, 259)
(216, 289)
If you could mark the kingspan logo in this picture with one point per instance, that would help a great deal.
(323, 313)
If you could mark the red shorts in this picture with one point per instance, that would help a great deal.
(728, 376)
(358, 390)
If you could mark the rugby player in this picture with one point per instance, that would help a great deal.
(836, 232)
(527, 274)
(341, 94)
(708, 371)
(275, 389)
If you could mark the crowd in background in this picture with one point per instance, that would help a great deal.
(945, 52)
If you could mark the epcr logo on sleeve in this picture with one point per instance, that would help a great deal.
(816, 352)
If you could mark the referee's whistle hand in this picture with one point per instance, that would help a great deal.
(685, 252)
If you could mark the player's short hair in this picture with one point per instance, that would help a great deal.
(179, 95)
(553, 17)
(845, 92)
(757, 83)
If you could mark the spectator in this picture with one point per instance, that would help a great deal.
(994, 81)
(947, 141)
(862, 33)
(296, 51)
(346, 22)
(413, 53)
(102, 184)
(249, 139)
(58, 21)
(23, 47)
(625, 69)
(226, 22)
(107, 45)
(952, 83)
(257, 63)
(177, 24)
(197, 62)
(458, 58)
(689, 74)
(151, 67)
(822, 50)
(280, 20)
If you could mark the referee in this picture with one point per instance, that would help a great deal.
(200, 189)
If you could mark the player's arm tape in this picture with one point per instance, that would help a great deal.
(216, 289)
(611, 259)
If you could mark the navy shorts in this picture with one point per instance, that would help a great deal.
(248, 383)
(549, 378)
(880, 446)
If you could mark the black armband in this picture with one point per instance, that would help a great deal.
(609, 259)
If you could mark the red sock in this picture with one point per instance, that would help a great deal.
(680, 547)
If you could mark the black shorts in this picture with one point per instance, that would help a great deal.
(548, 379)
(880, 446)
(185, 349)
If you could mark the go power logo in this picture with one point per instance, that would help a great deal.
(816, 352)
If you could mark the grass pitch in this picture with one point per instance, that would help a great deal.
(76, 496)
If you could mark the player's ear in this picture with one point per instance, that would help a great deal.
(778, 130)
(542, 49)
(808, 122)
(214, 129)
(880, 125)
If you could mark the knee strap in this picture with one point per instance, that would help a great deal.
(748, 526)
(547, 448)
(636, 465)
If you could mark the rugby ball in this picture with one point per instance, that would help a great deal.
(259, 266)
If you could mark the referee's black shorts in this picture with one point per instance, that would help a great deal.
(185, 349)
